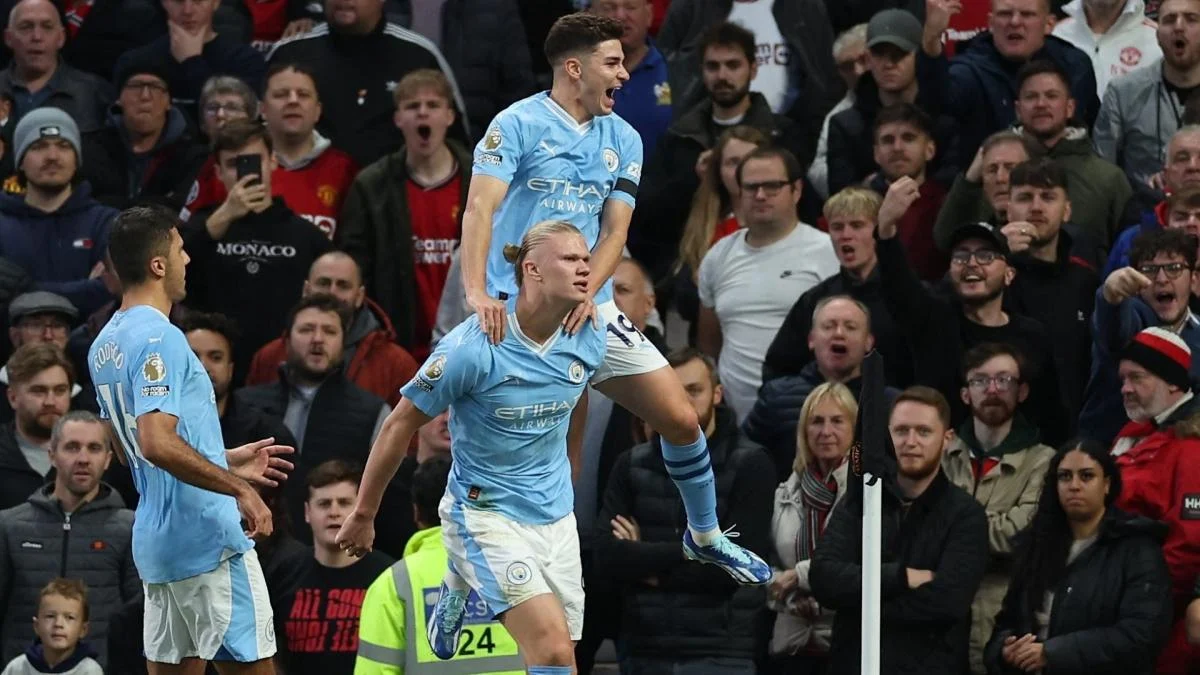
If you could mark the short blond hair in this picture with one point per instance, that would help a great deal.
(841, 395)
(536, 236)
(71, 589)
(423, 79)
(853, 201)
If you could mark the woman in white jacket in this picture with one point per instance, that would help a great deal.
(803, 504)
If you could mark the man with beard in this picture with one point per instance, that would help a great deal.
(416, 194)
(1056, 270)
(997, 456)
(1115, 33)
(55, 231)
(893, 38)
(1153, 291)
(1099, 191)
(941, 328)
(729, 63)
(211, 337)
(373, 360)
(637, 529)
(1141, 112)
(904, 147)
(1180, 172)
(851, 216)
(980, 194)
(645, 99)
(329, 416)
(39, 390)
(55, 534)
(1156, 452)
(840, 338)
(934, 555)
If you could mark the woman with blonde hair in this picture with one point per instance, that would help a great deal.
(712, 215)
(800, 643)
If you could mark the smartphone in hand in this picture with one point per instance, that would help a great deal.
(249, 165)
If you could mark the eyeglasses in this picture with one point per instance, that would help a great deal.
(1002, 382)
(983, 256)
(770, 187)
(214, 109)
(143, 87)
(1173, 270)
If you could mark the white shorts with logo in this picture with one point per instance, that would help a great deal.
(508, 562)
(629, 352)
(222, 615)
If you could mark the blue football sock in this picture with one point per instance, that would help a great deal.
(549, 670)
(691, 469)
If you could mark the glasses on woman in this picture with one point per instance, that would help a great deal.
(215, 108)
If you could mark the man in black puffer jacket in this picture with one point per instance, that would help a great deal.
(676, 611)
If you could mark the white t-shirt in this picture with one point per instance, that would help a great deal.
(773, 52)
(751, 290)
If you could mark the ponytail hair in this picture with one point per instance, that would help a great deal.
(533, 238)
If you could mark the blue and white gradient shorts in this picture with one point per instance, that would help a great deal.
(222, 615)
(508, 562)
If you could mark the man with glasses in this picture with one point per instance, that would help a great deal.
(1154, 291)
(941, 328)
(35, 318)
(750, 279)
(55, 231)
(223, 99)
(996, 455)
(147, 150)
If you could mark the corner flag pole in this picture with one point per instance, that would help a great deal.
(872, 439)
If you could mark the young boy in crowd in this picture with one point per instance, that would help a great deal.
(60, 624)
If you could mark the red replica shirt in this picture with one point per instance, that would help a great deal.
(314, 192)
(434, 213)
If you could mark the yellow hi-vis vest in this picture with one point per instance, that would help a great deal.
(391, 628)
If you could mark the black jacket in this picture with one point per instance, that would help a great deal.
(851, 154)
(18, 480)
(83, 95)
(806, 29)
(939, 334)
(669, 178)
(375, 228)
(255, 273)
(477, 40)
(163, 175)
(694, 611)
(1112, 609)
(243, 423)
(1061, 296)
(223, 55)
(356, 75)
(923, 630)
(789, 352)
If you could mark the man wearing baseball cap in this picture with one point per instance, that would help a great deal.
(1157, 453)
(56, 231)
(41, 316)
(893, 38)
(941, 327)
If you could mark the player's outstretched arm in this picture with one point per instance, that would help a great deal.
(483, 198)
(161, 445)
(358, 532)
(606, 255)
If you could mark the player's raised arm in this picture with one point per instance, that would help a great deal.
(357, 534)
(483, 198)
(160, 444)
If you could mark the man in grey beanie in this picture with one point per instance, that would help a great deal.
(55, 230)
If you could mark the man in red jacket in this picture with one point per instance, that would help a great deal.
(1157, 452)
(373, 359)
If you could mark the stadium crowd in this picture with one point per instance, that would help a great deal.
(1001, 197)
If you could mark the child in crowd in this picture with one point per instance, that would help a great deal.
(60, 624)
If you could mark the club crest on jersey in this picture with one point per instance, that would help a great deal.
(327, 194)
(576, 372)
(154, 370)
(435, 369)
(493, 140)
(611, 161)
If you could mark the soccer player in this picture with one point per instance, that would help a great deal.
(562, 154)
(507, 516)
(206, 599)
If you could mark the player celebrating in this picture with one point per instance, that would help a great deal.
(563, 154)
(507, 515)
(206, 599)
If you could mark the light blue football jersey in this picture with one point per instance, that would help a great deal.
(141, 363)
(510, 405)
(556, 169)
